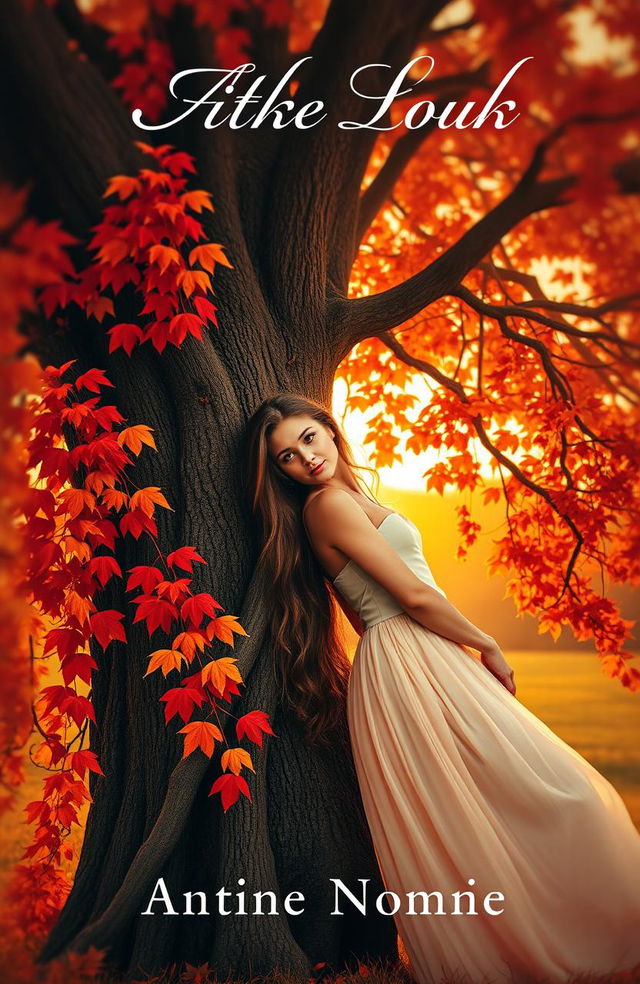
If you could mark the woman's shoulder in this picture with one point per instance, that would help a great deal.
(322, 504)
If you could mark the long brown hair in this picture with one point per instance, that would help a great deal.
(310, 657)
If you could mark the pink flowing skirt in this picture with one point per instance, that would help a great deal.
(466, 790)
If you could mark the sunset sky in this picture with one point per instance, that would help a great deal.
(466, 582)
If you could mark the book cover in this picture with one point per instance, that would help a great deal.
(255, 250)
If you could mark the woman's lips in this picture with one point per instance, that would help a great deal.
(317, 469)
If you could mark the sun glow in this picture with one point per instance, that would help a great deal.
(411, 472)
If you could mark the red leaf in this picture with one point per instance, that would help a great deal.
(92, 380)
(78, 665)
(143, 577)
(194, 609)
(105, 626)
(78, 708)
(206, 309)
(185, 324)
(124, 336)
(136, 522)
(104, 568)
(156, 612)
(181, 700)
(253, 725)
(230, 787)
(184, 558)
(83, 760)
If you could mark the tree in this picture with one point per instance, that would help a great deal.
(378, 254)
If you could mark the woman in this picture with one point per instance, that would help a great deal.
(464, 789)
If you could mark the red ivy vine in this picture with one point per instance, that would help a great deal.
(83, 500)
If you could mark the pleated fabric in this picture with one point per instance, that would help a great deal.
(460, 781)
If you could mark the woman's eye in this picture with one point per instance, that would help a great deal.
(310, 436)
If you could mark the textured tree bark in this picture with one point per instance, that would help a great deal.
(287, 211)
(306, 824)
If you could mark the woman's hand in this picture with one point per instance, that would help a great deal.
(492, 657)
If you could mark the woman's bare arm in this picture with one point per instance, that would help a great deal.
(346, 526)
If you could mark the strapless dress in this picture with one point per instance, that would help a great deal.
(465, 790)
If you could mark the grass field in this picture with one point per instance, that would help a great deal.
(596, 716)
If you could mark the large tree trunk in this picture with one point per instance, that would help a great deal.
(306, 824)
(287, 210)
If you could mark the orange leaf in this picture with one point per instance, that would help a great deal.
(165, 660)
(223, 628)
(234, 759)
(196, 200)
(122, 186)
(77, 606)
(134, 437)
(114, 498)
(202, 735)
(208, 255)
(217, 671)
(188, 642)
(146, 498)
(189, 280)
(164, 256)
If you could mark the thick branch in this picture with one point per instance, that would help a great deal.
(319, 171)
(403, 150)
(361, 317)
(78, 133)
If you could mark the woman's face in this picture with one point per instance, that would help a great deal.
(304, 449)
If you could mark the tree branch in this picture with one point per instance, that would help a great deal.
(448, 84)
(453, 386)
(358, 318)
(78, 133)
(403, 150)
(318, 172)
(517, 311)
(592, 360)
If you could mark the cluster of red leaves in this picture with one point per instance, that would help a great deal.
(141, 241)
(71, 536)
(147, 67)
(31, 256)
(82, 501)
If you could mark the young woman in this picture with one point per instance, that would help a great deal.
(465, 790)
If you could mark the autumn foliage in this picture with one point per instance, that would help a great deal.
(82, 501)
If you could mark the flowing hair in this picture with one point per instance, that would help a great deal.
(311, 662)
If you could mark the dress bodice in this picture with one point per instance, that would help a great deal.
(371, 602)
